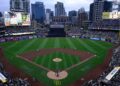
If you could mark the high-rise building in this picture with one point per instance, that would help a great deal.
(72, 13)
(49, 16)
(97, 8)
(72, 16)
(107, 6)
(1, 20)
(91, 12)
(38, 12)
(59, 9)
(82, 17)
(1, 15)
(20, 5)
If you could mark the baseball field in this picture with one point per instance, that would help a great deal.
(56, 61)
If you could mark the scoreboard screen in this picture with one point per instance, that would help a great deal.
(16, 19)
(111, 15)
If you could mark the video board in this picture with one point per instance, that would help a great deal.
(25, 19)
(113, 12)
(111, 15)
(16, 19)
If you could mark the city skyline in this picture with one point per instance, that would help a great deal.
(69, 4)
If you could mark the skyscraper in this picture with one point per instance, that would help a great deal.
(73, 17)
(20, 5)
(72, 13)
(1, 15)
(59, 9)
(107, 6)
(82, 16)
(38, 12)
(91, 12)
(49, 16)
(97, 8)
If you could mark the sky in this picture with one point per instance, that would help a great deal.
(68, 4)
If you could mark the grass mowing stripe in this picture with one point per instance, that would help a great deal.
(98, 44)
(43, 44)
(78, 45)
(35, 45)
(14, 49)
(36, 60)
(52, 56)
(26, 46)
(68, 60)
(89, 48)
(64, 56)
(47, 59)
(57, 43)
(106, 44)
(57, 63)
(41, 61)
(14, 44)
(96, 48)
(63, 43)
(71, 44)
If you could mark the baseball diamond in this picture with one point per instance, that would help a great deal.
(65, 59)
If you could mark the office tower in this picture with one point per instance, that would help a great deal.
(38, 12)
(20, 6)
(91, 12)
(59, 9)
(97, 8)
(72, 17)
(49, 16)
(82, 16)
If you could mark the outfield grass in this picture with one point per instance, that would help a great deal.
(99, 48)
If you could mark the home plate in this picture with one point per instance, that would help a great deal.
(57, 76)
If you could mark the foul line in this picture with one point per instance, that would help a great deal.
(40, 66)
(75, 65)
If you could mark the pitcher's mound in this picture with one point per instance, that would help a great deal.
(57, 59)
(57, 76)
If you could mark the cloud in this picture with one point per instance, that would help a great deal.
(75, 5)
(69, 4)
